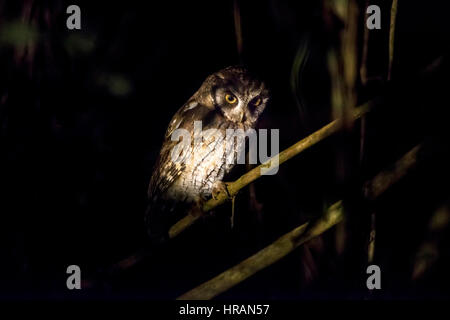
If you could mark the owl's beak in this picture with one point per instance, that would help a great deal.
(237, 115)
(241, 115)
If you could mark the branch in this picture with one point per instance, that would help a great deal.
(238, 28)
(392, 36)
(365, 48)
(429, 251)
(293, 239)
(255, 173)
(252, 175)
(382, 181)
(266, 257)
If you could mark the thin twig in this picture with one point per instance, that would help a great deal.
(238, 29)
(392, 36)
(365, 48)
(372, 237)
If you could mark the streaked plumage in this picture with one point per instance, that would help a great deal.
(176, 185)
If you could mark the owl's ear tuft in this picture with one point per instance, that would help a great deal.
(190, 105)
(220, 75)
(173, 125)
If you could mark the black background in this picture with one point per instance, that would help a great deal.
(77, 155)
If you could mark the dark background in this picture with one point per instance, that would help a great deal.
(83, 114)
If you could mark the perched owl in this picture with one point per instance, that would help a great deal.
(229, 99)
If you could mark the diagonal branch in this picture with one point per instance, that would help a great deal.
(255, 173)
(266, 257)
(392, 36)
(293, 239)
(252, 175)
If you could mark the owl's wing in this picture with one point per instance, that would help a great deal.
(166, 172)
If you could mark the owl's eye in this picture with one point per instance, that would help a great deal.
(257, 101)
(230, 98)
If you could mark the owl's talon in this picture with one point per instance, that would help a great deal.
(218, 188)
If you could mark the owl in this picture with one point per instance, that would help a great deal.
(231, 98)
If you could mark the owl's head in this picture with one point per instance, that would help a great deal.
(238, 95)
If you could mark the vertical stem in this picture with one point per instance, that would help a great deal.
(349, 53)
(238, 28)
(365, 49)
(362, 141)
(232, 211)
(371, 246)
(392, 36)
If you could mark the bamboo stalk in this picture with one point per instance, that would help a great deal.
(255, 173)
(372, 238)
(293, 239)
(252, 175)
(365, 48)
(266, 257)
(382, 181)
(238, 29)
(392, 36)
